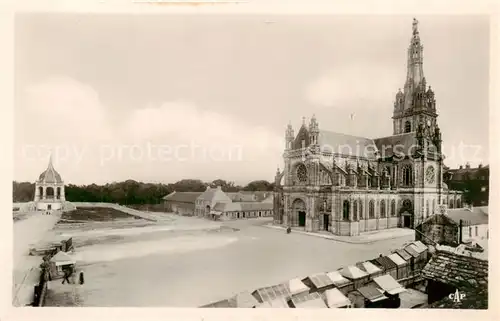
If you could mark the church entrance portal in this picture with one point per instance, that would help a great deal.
(326, 221)
(407, 221)
(302, 218)
(298, 215)
(49, 207)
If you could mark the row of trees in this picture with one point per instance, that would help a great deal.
(131, 192)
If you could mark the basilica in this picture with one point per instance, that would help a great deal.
(348, 185)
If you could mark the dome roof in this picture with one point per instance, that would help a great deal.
(50, 175)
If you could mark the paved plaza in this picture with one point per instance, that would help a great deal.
(162, 269)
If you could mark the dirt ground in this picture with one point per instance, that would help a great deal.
(94, 214)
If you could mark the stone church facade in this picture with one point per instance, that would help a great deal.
(348, 185)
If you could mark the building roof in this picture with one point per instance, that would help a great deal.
(400, 143)
(241, 197)
(214, 195)
(476, 216)
(457, 269)
(388, 284)
(182, 197)
(332, 142)
(460, 174)
(50, 175)
(439, 219)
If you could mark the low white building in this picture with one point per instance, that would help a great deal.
(474, 222)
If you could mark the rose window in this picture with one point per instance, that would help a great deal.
(302, 173)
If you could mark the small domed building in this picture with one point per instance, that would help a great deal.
(49, 190)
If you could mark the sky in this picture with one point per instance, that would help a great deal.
(159, 98)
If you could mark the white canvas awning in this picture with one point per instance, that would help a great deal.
(388, 284)
(62, 258)
(370, 268)
(315, 303)
(420, 247)
(296, 286)
(336, 299)
(337, 278)
(397, 259)
(353, 272)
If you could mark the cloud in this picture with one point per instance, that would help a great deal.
(163, 142)
(343, 86)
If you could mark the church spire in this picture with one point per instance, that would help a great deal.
(415, 71)
(51, 166)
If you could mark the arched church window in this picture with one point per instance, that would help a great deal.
(354, 211)
(302, 173)
(393, 208)
(382, 208)
(427, 209)
(345, 213)
(371, 209)
(360, 209)
(407, 175)
(433, 209)
(407, 126)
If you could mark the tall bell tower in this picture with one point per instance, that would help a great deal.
(416, 104)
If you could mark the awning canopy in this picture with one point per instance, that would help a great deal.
(316, 303)
(296, 286)
(244, 300)
(272, 292)
(405, 255)
(308, 300)
(372, 292)
(398, 260)
(420, 247)
(336, 299)
(388, 284)
(62, 258)
(337, 278)
(370, 268)
(412, 250)
(319, 280)
(385, 262)
(353, 272)
(275, 303)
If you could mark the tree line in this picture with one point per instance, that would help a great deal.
(131, 192)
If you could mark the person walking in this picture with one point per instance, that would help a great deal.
(66, 276)
(82, 281)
